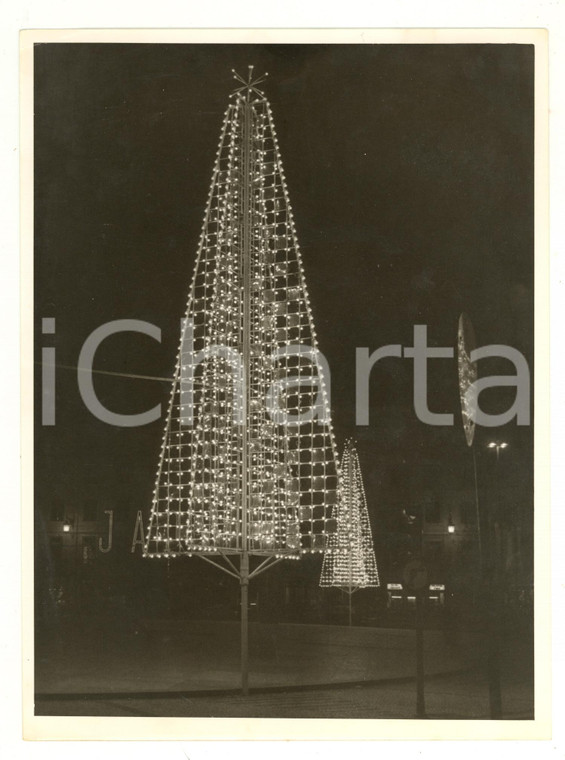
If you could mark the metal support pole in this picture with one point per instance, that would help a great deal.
(244, 583)
(493, 601)
(246, 340)
(420, 698)
(350, 595)
(478, 513)
(489, 604)
(493, 649)
(493, 664)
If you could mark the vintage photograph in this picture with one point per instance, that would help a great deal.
(284, 380)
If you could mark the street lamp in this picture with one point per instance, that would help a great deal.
(498, 445)
(450, 525)
(68, 526)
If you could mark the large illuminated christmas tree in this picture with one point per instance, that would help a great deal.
(350, 564)
(248, 465)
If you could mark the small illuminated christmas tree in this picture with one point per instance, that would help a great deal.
(248, 464)
(350, 564)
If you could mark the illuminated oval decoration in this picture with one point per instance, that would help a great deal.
(467, 376)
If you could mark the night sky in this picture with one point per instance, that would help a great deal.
(410, 173)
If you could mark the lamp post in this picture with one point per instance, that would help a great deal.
(415, 577)
(497, 446)
(70, 524)
(493, 596)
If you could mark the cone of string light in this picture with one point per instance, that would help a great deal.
(214, 473)
(350, 564)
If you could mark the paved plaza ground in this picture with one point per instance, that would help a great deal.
(305, 671)
(456, 696)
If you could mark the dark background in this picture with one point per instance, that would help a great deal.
(410, 172)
